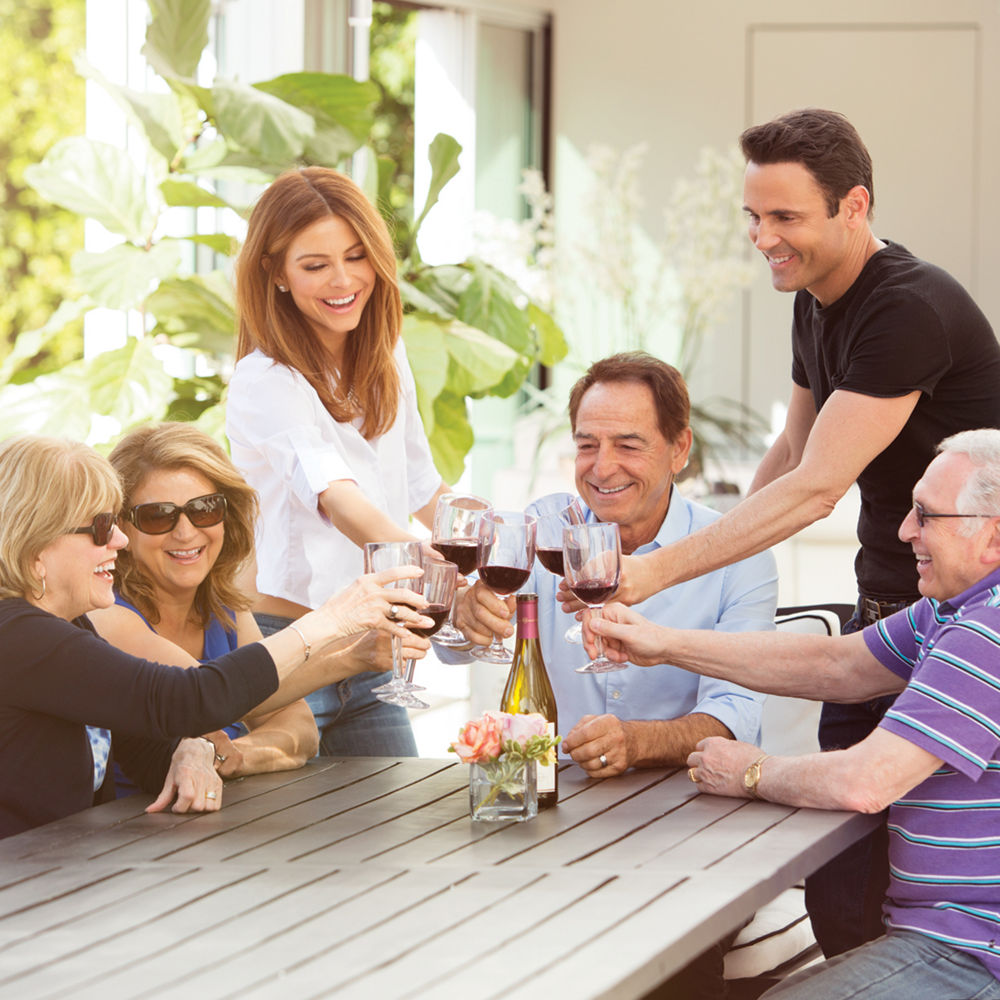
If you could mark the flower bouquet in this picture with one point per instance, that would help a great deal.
(502, 749)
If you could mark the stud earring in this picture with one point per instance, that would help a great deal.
(282, 288)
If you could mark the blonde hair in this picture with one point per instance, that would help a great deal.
(173, 446)
(269, 321)
(48, 487)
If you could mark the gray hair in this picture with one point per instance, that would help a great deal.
(981, 492)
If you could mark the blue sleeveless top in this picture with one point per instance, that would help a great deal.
(218, 640)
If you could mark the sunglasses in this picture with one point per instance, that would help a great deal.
(159, 518)
(101, 529)
(924, 516)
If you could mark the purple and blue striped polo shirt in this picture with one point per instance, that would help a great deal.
(944, 835)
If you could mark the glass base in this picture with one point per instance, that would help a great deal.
(402, 698)
(601, 666)
(493, 654)
(447, 635)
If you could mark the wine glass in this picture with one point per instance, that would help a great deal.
(455, 534)
(505, 554)
(549, 550)
(438, 587)
(380, 556)
(592, 560)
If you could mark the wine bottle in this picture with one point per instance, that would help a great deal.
(528, 689)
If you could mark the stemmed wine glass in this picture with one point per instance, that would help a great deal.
(380, 556)
(592, 560)
(438, 587)
(506, 552)
(455, 535)
(549, 548)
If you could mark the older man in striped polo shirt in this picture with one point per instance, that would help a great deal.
(933, 761)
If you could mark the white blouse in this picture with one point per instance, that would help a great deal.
(290, 449)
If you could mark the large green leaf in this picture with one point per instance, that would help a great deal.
(428, 357)
(341, 107)
(29, 343)
(160, 116)
(196, 312)
(122, 277)
(98, 181)
(550, 340)
(190, 195)
(479, 363)
(489, 304)
(443, 154)
(130, 384)
(261, 124)
(452, 436)
(176, 36)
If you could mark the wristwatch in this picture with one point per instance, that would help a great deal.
(752, 775)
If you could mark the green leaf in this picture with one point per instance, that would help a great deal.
(122, 277)
(342, 109)
(551, 342)
(261, 124)
(32, 342)
(443, 155)
(190, 195)
(196, 312)
(130, 384)
(428, 357)
(479, 363)
(176, 36)
(99, 181)
(487, 303)
(218, 242)
(159, 116)
(452, 437)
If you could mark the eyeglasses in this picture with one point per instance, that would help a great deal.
(101, 529)
(159, 518)
(922, 515)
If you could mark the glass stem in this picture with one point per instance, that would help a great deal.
(598, 640)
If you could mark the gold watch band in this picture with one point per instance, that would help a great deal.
(751, 776)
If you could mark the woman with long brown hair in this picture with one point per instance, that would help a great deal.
(322, 418)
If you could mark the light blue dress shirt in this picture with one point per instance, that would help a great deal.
(737, 598)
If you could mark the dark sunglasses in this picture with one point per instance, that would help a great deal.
(159, 518)
(101, 529)
(923, 515)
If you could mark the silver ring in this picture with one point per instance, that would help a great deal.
(211, 795)
(603, 759)
(393, 612)
(221, 758)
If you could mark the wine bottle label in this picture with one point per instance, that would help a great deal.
(545, 777)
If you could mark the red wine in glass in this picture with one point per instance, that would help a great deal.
(551, 559)
(503, 580)
(594, 592)
(439, 612)
(460, 551)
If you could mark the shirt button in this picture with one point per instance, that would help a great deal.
(616, 695)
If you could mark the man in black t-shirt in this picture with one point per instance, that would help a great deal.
(890, 356)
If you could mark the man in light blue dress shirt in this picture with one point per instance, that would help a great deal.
(629, 415)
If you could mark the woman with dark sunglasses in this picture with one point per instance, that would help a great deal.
(58, 547)
(189, 518)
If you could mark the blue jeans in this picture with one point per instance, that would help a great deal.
(902, 965)
(844, 897)
(352, 722)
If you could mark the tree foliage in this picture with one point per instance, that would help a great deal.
(43, 100)
(469, 331)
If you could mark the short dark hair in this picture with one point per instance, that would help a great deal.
(665, 382)
(824, 142)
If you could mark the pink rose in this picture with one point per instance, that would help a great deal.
(521, 728)
(479, 739)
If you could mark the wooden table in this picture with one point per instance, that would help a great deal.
(364, 877)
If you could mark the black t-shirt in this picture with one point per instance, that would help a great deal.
(904, 325)
(58, 676)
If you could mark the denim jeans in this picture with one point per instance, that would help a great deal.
(352, 722)
(844, 897)
(902, 965)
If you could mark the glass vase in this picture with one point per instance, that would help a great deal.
(502, 790)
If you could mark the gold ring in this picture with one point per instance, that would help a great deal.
(691, 775)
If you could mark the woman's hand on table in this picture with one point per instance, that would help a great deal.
(192, 784)
(228, 756)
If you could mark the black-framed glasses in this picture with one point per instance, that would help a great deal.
(159, 518)
(923, 515)
(100, 530)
